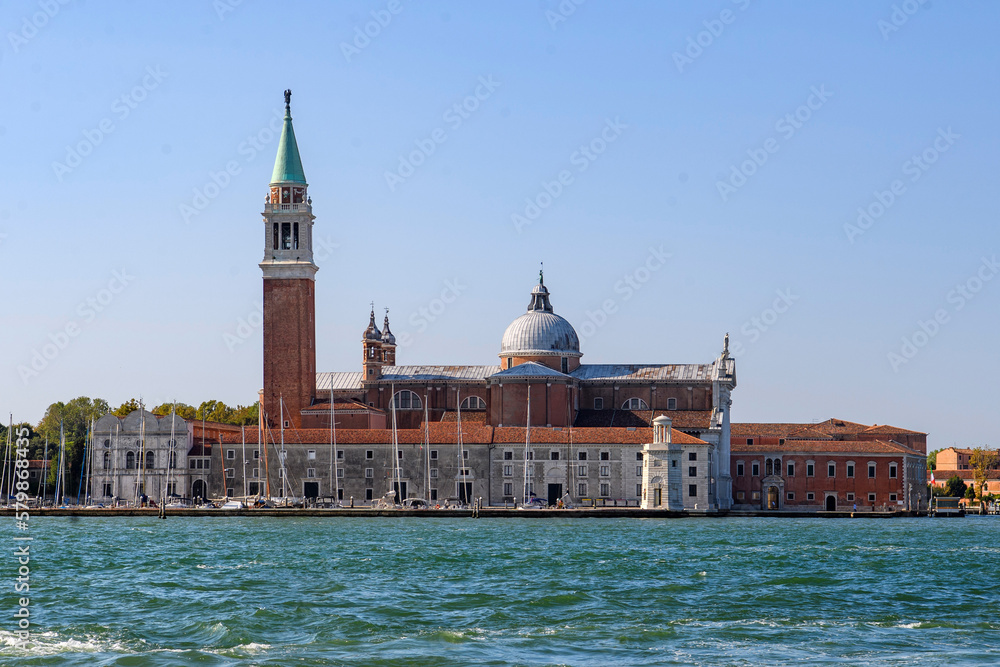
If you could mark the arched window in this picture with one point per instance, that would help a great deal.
(150, 459)
(406, 400)
(107, 460)
(768, 467)
(129, 460)
(473, 403)
(635, 404)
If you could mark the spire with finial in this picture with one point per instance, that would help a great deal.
(372, 332)
(387, 336)
(288, 164)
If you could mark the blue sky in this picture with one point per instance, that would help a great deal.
(731, 146)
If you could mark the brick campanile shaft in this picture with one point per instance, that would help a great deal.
(289, 286)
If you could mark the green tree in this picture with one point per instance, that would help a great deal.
(246, 415)
(215, 411)
(970, 493)
(126, 408)
(954, 487)
(75, 417)
(982, 461)
(932, 460)
(182, 410)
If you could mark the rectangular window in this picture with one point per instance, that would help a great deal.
(638, 456)
(368, 494)
(107, 490)
(286, 235)
(340, 473)
(810, 496)
(790, 495)
(274, 237)
(255, 472)
(370, 454)
(755, 495)
(692, 490)
(230, 472)
(465, 454)
(740, 495)
(310, 472)
(605, 456)
(340, 454)
(605, 471)
(508, 488)
(311, 455)
(739, 469)
(369, 473)
(530, 456)
(605, 490)
(463, 472)
(831, 469)
(434, 455)
(850, 470)
(638, 489)
(581, 471)
(671, 404)
(871, 497)
(581, 489)
(434, 494)
(692, 471)
(554, 456)
(892, 497)
(692, 456)
(598, 403)
(749, 441)
(434, 473)
(791, 469)
(638, 471)
(850, 496)
(399, 454)
(230, 453)
(810, 469)
(871, 471)
(295, 236)
(507, 456)
(256, 453)
(755, 469)
(892, 471)
(508, 471)
(581, 456)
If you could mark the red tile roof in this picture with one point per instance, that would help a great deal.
(839, 447)
(890, 430)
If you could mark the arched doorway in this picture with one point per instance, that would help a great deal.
(198, 489)
(831, 503)
(772, 498)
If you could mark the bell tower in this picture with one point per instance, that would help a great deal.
(289, 286)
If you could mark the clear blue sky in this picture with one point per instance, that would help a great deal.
(200, 82)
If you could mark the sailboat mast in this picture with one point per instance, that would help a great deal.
(334, 470)
(397, 486)
(6, 455)
(427, 455)
(115, 469)
(60, 474)
(171, 456)
(527, 444)
(281, 418)
(243, 436)
(462, 495)
(45, 476)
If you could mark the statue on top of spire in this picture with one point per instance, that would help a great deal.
(288, 99)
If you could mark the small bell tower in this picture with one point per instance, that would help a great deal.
(289, 286)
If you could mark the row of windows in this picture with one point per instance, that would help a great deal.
(138, 443)
(634, 404)
(408, 400)
(850, 497)
(773, 467)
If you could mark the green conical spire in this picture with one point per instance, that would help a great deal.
(288, 164)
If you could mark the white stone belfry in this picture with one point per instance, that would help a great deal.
(661, 471)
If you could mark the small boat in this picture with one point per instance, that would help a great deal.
(415, 504)
(534, 504)
(234, 505)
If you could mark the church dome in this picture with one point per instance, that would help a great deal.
(540, 332)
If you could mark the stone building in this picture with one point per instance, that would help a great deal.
(145, 454)
(462, 431)
(832, 465)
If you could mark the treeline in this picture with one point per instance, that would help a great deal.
(76, 415)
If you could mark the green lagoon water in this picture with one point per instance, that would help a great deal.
(532, 591)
